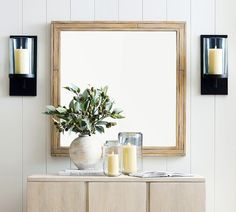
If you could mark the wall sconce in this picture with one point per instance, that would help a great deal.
(214, 64)
(23, 65)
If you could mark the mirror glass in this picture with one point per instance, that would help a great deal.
(139, 67)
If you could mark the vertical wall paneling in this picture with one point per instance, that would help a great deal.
(25, 133)
(58, 10)
(202, 107)
(11, 115)
(225, 115)
(34, 142)
(82, 10)
(130, 10)
(154, 10)
(180, 11)
(106, 10)
(59, 13)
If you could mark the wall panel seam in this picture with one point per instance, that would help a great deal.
(22, 122)
(190, 89)
(46, 120)
(214, 129)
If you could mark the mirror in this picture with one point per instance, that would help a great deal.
(143, 64)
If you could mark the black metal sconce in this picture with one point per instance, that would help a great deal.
(214, 64)
(23, 65)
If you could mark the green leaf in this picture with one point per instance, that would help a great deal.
(102, 122)
(88, 124)
(77, 106)
(51, 108)
(117, 116)
(97, 94)
(61, 110)
(110, 124)
(117, 111)
(85, 94)
(67, 88)
(105, 89)
(86, 105)
(83, 106)
(109, 105)
(72, 105)
(73, 88)
(100, 129)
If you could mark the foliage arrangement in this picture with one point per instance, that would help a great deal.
(87, 112)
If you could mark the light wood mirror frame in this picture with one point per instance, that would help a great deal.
(179, 27)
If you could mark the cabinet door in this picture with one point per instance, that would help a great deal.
(117, 197)
(56, 197)
(177, 197)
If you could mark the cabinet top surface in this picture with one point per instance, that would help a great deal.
(57, 178)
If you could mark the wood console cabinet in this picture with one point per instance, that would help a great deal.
(120, 194)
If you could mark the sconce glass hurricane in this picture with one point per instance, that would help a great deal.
(215, 55)
(22, 55)
(214, 64)
(23, 65)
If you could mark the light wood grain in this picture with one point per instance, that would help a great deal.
(122, 178)
(117, 197)
(115, 194)
(178, 27)
(177, 197)
(56, 197)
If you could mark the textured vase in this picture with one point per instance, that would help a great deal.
(85, 152)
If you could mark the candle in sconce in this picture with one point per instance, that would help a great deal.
(129, 157)
(215, 61)
(22, 61)
(113, 164)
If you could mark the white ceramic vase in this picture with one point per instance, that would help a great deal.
(85, 151)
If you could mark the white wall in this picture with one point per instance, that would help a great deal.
(211, 120)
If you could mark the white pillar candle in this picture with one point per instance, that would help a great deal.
(113, 164)
(215, 61)
(129, 157)
(22, 61)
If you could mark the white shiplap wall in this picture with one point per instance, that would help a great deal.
(211, 120)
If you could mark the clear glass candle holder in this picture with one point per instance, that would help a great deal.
(23, 54)
(131, 152)
(111, 158)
